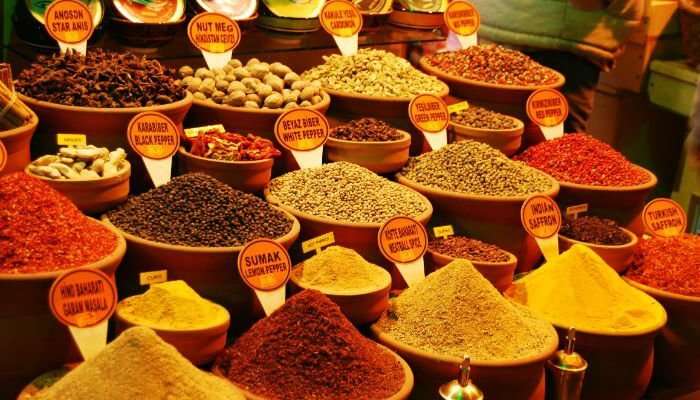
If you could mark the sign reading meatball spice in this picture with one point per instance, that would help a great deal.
(303, 132)
(549, 109)
(429, 114)
(69, 22)
(404, 241)
(156, 139)
(343, 20)
(541, 218)
(462, 18)
(265, 266)
(215, 35)
(664, 218)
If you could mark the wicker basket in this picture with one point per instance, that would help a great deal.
(690, 28)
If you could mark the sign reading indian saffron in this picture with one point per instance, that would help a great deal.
(541, 218)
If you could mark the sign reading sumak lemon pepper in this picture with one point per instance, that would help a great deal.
(343, 21)
(303, 132)
(404, 241)
(541, 218)
(664, 218)
(69, 22)
(549, 109)
(429, 114)
(265, 266)
(215, 35)
(462, 18)
(156, 139)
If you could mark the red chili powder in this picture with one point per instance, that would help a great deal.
(670, 264)
(583, 159)
(307, 349)
(41, 230)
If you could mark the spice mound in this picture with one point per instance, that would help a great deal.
(375, 73)
(482, 118)
(493, 64)
(42, 231)
(307, 349)
(670, 264)
(339, 270)
(346, 192)
(80, 163)
(172, 305)
(101, 78)
(198, 210)
(470, 249)
(457, 298)
(582, 159)
(594, 230)
(475, 168)
(139, 365)
(253, 85)
(578, 289)
(227, 146)
(366, 130)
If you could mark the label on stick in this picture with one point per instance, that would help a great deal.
(577, 209)
(83, 298)
(264, 265)
(549, 109)
(68, 21)
(462, 18)
(340, 18)
(457, 107)
(3, 156)
(318, 242)
(540, 216)
(214, 32)
(153, 135)
(302, 129)
(71, 139)
(429, 114)
(151, 277)
(443, 231)
(664, 218)
(403, 239)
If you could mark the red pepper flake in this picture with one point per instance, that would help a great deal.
(41, 230)
(228, 146)
(582, 159)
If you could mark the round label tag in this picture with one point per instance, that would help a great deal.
(213, 32)
(403, 239)
(82, 298)
(340, 18)
(428, 113)
(264, 265)
(547, 107)
(664, 217)
(3, 156)
(68, 21)
(462, 18)
(301, 129)
(153, 135)
(540, 216)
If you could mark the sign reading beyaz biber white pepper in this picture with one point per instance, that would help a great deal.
(303, 132)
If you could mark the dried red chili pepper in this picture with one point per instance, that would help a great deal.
(228, 146)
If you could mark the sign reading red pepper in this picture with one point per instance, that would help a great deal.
(215, 35)
(303, 132)
(463, 19)
(549, 109)
(69, 22)
(429, 114)
(156, 139)
(541, 218)
(404, 241)
(664, 218)
(265, 266)
(343, 21)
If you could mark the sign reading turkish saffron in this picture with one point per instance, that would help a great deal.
(265, 266)
(69, 22)
(429, 114)
(664, 218)
(462, 18)
(3, 156)
(541, 218)
(304, 132)
(342, 20)
(404, 241)
(156, 139)
(215, 35)
(549, 109)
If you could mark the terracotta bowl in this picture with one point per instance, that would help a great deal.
(678, 346)
(31, 339)
(484, 91)
(247, 176)
(507, 141)
(618, 257)
(92, 196)
(416, 20)
(373, 21)
(500, 274)
(145, 34)
(506, 379)
(40, 382)
(16, 143)
(402, 394)
(379, 157)
(488, 218)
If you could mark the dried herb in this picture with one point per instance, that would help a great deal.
(590, 229)
(366, 130)
(467, 248)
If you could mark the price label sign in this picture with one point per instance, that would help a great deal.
(215, 35)
(84, 299)
(318, 243)
(303, 132)
(457, 107)
(3, 156)
(342, 20)
(574, 211)
(71, 139)
(404, 241)
(265, 266)
(153, 277)
(429, 115)
(549, 109)
(443, 231)
(462, 19)
(541, 219)
(69, 22)
(156, 139)
(664, 218)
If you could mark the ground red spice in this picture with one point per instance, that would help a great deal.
(41, 230)
(583, 159)
(670, 264)
(307, 349)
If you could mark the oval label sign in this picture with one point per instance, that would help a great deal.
(403, 239)
(153, 135)
(547, 107)
(68, 21)
(665, 218)
(302, 129)
(264, 265)
(82, 298)
(462, 18)
(428, 113)
(3, 156)
(213, 32)
(540, 216)
(340, 18)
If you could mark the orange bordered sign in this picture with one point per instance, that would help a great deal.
(3, 156)
(68, 21)
(462, 18)
(214, 32)
(83, 298)
(153, 135)
(403, 239)
(340, 18)
(264, 265)
(547, 107)
(664, 217)
(302, 129)
(540, 216)
(428, 113)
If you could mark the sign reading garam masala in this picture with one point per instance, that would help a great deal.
(429, 114)
(462, 18)
(83, 297)
(153, 135)
(68, 21)
(3, 156)
(264, 265)
(340, 18)
(214, 32)
(302, 129)
(403, 239)
(664, 218)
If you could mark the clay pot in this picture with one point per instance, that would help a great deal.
(31, 338)
(491, 219)
(373, 21)
(618, 257)
(247, 176)
(92, 196)
(506, 140)
(16, 143)
(373, 106)
(416, 20)
(148, 35)
(505, 379)
(500, 274)
(379, 157)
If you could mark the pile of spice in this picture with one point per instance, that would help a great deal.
(346, 192)
(253, 85)
(475, 168)
(578, 289)
(228, 146)
(172, 305)
(99, 79)
(470, 249)
(373, 72)
(307, 349)
(139, 365)
(80, 162)
(582, 159)
(493, 64)
(366, 130)
(198, 210)
(42, 231)
(339, 270)
(670, 264)
(455, 311)
(482, 118)
(16, 112)
(596, 230)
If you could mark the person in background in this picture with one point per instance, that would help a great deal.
(579, 38)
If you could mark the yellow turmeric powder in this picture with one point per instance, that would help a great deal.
(172, 305)
(578, 289)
